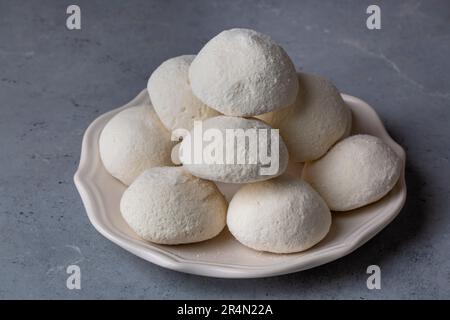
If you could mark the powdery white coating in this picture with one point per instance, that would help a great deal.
(132, 141)
(167, 205)
(250, 170)
(316, 121)
(241, 72)
(357, 171)
(172, 97)
(281, 215)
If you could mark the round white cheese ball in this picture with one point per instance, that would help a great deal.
(132, 141)
(172, 97)
(241, 72)
(316, 121)
(242, 151)
(281, 215)
(167, 205)
(357, 171)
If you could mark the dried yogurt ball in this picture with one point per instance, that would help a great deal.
(241, 72)
(167, 205)
(132, 141)
(281, 215)
(172, 97)
(238, 150)
(357, 171)
(316, 121)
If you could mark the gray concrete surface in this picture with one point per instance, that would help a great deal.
(54, 82)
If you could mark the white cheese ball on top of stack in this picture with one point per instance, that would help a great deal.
(242, 72)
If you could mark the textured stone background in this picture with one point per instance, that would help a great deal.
(54, 82)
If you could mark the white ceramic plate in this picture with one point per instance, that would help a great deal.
(223, 256)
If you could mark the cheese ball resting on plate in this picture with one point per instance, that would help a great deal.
(357, 171)
(168, 205)
(282, 215)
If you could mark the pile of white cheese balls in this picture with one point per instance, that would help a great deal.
(242, 79)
